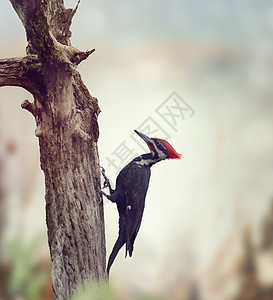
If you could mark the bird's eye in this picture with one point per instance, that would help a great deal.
(157, 143)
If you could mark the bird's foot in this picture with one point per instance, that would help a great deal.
(109, 197)
(106, 183)
(103, 193)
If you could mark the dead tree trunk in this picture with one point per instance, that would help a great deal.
(66, 119)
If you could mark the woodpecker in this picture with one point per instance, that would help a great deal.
(131, 187)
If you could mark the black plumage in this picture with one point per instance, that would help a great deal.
(131, 188)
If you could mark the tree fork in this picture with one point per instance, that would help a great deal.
(66, 125)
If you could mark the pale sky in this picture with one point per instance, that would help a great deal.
(217, 57)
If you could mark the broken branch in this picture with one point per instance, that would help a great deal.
(21, 71)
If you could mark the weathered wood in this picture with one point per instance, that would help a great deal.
(66, 118)
(23, 72)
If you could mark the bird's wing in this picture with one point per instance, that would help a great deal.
(135, 192)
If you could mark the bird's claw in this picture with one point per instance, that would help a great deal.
(106, 183)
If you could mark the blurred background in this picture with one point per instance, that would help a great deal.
(198, 73)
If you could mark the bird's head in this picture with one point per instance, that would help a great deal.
(159, 147)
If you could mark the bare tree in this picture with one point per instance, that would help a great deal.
(66, 118)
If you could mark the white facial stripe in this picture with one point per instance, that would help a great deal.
(161, 154)
(144, 162)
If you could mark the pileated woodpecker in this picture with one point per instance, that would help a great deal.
(131, 188)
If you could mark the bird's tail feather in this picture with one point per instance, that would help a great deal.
(129, 248)
(119, 243)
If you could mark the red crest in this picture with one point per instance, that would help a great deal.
(171, 152)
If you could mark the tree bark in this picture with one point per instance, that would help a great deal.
(66, 119)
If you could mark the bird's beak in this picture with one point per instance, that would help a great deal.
(145, 138)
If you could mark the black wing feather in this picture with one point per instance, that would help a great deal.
(131, 189)
(136, 187)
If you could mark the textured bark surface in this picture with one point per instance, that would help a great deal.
(66, 119)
